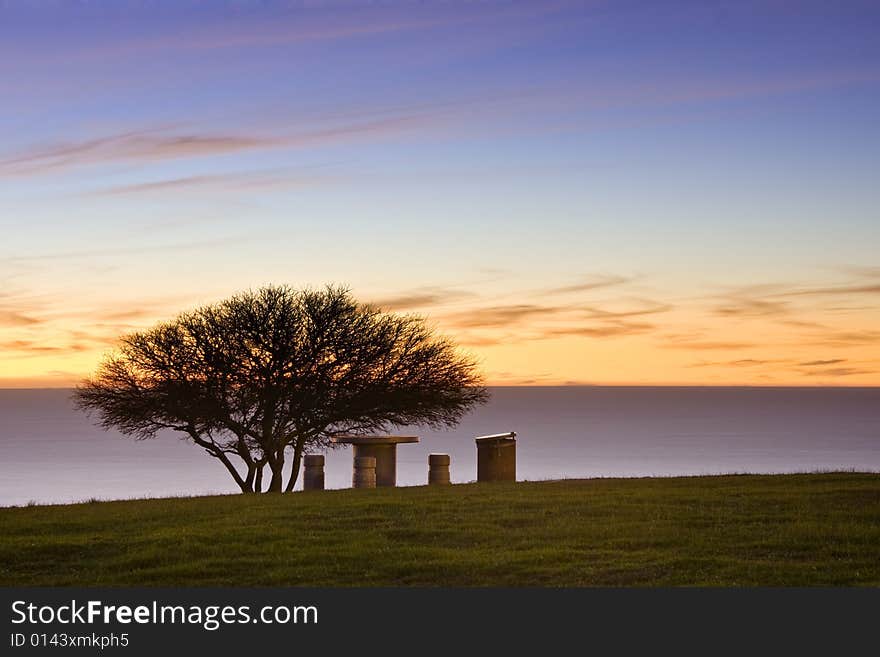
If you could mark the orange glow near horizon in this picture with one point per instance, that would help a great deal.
(598, 331)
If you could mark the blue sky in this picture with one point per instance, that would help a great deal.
(469, 157)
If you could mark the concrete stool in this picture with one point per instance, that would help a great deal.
(313, 472)
(438, 469)
(364, 474)
(496, 457)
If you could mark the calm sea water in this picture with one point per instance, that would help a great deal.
(49, 452)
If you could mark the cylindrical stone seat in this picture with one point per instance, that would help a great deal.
(313, 472)
(364, 474)
(438, 469)
(496, 457)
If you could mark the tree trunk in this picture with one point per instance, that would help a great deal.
(277, 467)
(249, 480)
(258, 480)
(298, 447)
(249, 462)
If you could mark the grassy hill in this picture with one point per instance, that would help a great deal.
(811, 529)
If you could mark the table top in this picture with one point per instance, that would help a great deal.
(375, 440)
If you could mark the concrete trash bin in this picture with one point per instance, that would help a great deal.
(496, 457)
(438, 469)
(313, 472)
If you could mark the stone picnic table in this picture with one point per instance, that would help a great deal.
(383, 449)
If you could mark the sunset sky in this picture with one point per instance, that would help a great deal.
(578, 192)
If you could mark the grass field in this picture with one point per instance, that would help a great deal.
(811, 529)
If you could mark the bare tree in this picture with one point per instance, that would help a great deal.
(276, 372)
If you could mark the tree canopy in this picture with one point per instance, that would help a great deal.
(280, 371)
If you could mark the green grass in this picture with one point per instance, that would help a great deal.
(743, 530)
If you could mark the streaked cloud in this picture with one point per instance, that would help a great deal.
(819, 363)
(13, 318)
(219, 183)
(543, 322)
(126, 250)
(287, 26)
(675, 342)
(846, 338)
(162, 144)
(838, 372)
(833, 291)
(503, 315)
(128, 315)
(649, 308)
(31, 347)
(742, 362)
(611, 329)
(422, 298)
(752, 307)
(19, 309)
(862, 281)
(777, 299)
(143, 145)
(470, 340)
(594, 282)
(803, 324)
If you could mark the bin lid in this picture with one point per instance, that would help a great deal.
(496, 437)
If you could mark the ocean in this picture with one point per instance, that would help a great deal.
(52, 453)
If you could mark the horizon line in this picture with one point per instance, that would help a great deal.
(583, 385)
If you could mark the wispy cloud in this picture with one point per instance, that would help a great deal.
(305, 23)
(752, 307)
(285, 28)
(218, 182)
(776, 299)
(577, 310)
(838, 371)
(697, 344)
(471, 340)
(503, 315)
(648, 308)
(126, 250)
(846, 338)
(819, 363)
(422, 298)
(814, 312)
(18, 310)
(158, 144)
(144, 145)
(128, 315)
(13, 318)
(543, 322)
(803, 324)
(833, 291)
(34, 347)
(611, 329)
(742, 362)
(594, 282)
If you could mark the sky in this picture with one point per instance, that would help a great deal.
(634, 193)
